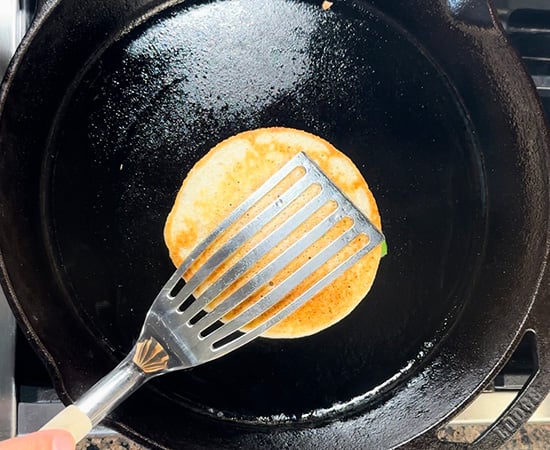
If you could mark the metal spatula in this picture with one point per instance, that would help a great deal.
(212, 314)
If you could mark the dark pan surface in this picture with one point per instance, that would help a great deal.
(152, 103)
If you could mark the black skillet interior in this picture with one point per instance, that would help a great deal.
(155, 101)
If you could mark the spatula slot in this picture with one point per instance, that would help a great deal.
(177, 288)
(197, 317)
(210, 329)
(227, 340)
(186, 304)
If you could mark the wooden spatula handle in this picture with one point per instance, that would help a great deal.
(73, 420)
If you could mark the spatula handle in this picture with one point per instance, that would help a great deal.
(102, 398)
(73, 420)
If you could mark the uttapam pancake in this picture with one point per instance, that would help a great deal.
(235, 168)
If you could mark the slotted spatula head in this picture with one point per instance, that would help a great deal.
(180, 319)
(240, 280)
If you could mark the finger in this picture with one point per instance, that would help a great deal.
(41, 440)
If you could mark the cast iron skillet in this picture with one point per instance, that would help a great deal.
(108, 104)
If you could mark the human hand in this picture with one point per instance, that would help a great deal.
(41, 440)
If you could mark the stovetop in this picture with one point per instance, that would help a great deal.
(26, 396)
(527, 24)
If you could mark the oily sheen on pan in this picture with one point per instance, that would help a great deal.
(235, 168)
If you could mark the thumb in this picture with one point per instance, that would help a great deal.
(41, 440)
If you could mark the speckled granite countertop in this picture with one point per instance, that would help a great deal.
(98, 443)
(108, 443)
(530, 437)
